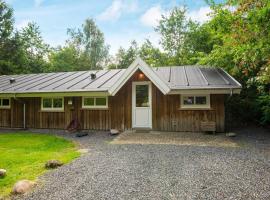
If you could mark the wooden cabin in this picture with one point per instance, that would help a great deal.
(184, 98)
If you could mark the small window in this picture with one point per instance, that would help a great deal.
(142, 96)
(195, 101)
(200, 100)
(101, 101)
(188, 100)
(89, 101)
(52, 104)
(4, 103)
(95, 102)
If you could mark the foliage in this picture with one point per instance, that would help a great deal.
(24, 155)
(125, 57)
(20, 51)
(64, 59)
(184, 41)
(244, 52)
(89, 44)
(34, 50)
(264, 105)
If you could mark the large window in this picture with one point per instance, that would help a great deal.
(52, 104)
(195, 101)
(4, 103)
(95, 102)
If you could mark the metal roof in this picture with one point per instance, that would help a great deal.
(178, 77)
(196, 77)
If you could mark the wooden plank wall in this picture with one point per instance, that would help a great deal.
(166, 113)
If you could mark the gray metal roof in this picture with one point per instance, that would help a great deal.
(182, 77)
(196, 77)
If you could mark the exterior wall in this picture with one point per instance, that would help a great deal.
(166, 113)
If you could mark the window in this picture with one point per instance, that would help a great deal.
(95, 102)
(52, 104)
(195, 101)
(142, 96)
(4, 103)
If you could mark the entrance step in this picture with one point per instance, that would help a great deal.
(142, 130)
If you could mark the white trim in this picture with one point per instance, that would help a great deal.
(134, 101)
(52, 108)
(207, 105)
(5, 107)
(148, 71)
(95, 106)
(206, 91)
(54, 94)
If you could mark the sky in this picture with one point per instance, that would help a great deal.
(121, 21)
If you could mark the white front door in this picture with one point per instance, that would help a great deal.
(141, 105)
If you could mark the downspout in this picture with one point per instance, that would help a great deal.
(24, 124)
(229, 113)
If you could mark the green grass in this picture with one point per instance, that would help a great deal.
(24, 154)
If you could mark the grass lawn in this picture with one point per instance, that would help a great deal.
(24, 154)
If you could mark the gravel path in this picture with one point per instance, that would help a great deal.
(135, 171)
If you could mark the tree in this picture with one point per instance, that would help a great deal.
(152, 55)
(90, 45)
(63, 59)
(6, 42)
(244, 51)
(185, 41)
(125, 57)
(34, 50)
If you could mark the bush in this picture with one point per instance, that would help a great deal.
(264, 105)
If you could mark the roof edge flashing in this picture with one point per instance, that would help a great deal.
(148, 71)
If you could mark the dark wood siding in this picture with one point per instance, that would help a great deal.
(166, 115)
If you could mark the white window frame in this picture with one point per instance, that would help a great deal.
(195, 106)
(52, 108)
(1, 103)
(95, 106)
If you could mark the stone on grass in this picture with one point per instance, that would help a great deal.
(114, 132)
(230, 134)
(3, 173)
(51, 164)
(23, 186)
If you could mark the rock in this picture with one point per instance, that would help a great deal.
(3, 173)
(81, 134)
(23, 186)
(114, 132)
(51, 164)
(230, 134)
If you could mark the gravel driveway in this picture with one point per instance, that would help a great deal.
(134, 171)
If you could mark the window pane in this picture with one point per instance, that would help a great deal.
(88, 101)
(142, 96)
(101, 101)
(189, 100)
(0, 102)
(47, 103)
(5, 102)
(201, 100)
(57, 103)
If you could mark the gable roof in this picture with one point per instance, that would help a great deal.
(167, 79)
(139, 64)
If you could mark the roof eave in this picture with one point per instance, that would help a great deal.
(231, 90)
